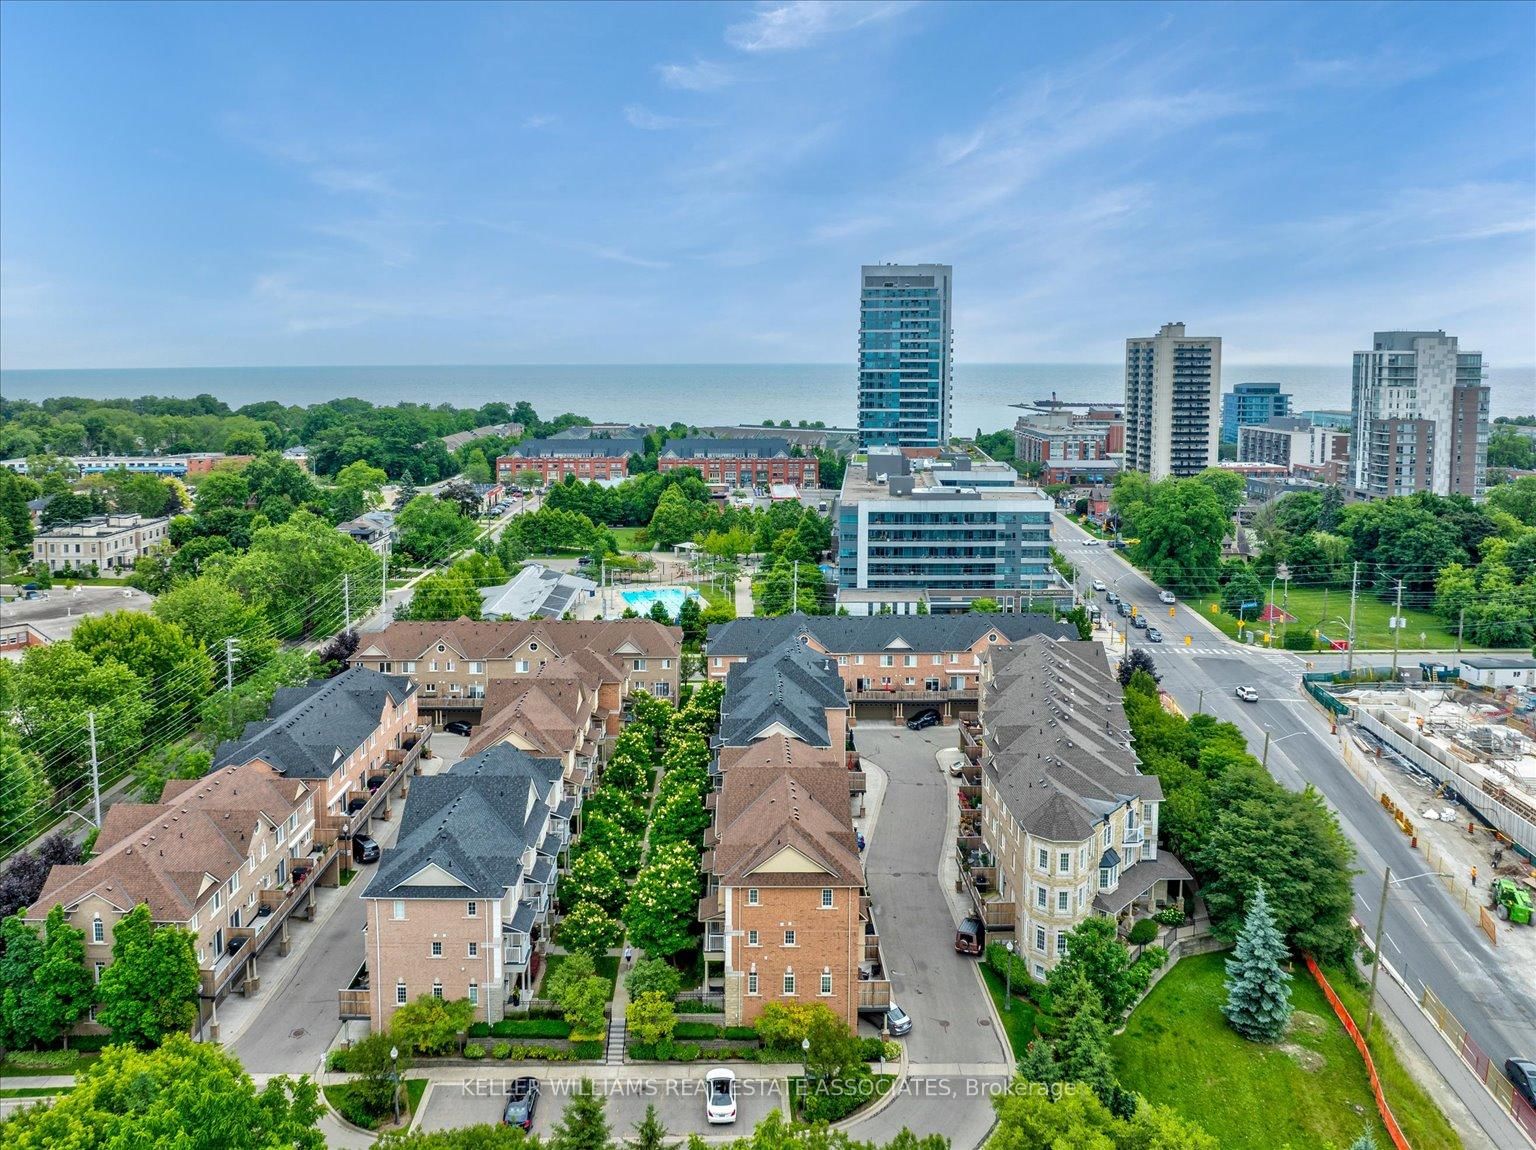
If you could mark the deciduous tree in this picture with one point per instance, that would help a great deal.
(429, 1025)
(149, 990)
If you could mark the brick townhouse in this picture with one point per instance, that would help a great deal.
(452, 663)
(457, 907)
(792, 691)
(556, 712)
(1068, 823)
(228, 857)
(352, 736)
(744, 462)
(111, 542)
(554, 459)
(891, 665)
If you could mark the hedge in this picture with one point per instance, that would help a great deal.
(702, 1030)
(532, 1028)
(667, 1051)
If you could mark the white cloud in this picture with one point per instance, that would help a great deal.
(352, 181)
(700, 76)
(795, 24)
(649, 121)
(539, 121)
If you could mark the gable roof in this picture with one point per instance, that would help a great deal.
(473, 824)
(747, 447)
(790, 690)
(761, 812)
(1055, 741)
(577, 448)
(310, 729)
(549, 708)
(847, 634)
(535, 590)
(486, 641)
(167, 854)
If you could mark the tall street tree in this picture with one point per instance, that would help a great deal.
(149, 991)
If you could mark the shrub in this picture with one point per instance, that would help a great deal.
(586, 1050)
(337, 1060)
(871, 1049)
(502, 1051)
(1143, 932)
(651, 1018)
(480, 1030)
(531, 1028)
(667, 1051)
(1298, 639)
(784, 1025)
(1170, 916)
(473, 1050)
(748, 1033)
(892, 1051)
(1008, 966)
(830, 1100)
(352, 1108)
(699, 1030)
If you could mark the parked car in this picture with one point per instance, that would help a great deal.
(1140, 622)
(522, 1101)
(1110, 597)
(1248, 694)
(720, 1098)
(1521, 1073)
(365, 849)
(970, 936)
(1166, 597)
(923, 720)
(1154, 635)
(951, 759)
(1098, 584)
(897, 1021)
(583, 560)
(458, 727)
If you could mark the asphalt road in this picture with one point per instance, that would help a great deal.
(1428, 938)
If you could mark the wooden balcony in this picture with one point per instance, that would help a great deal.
(874, 993)
(353, 1002)
(910, 695)
(858, 781)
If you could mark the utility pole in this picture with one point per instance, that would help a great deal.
(1354, 582)
(794, 597)
(95, 772)
(231, 653)
(1461, 623)
(1381, 922)
(1265, 763)
(1397, 628)
(346, 600)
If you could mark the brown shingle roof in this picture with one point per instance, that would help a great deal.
(549, 708)
(484, 641)
(163, 854)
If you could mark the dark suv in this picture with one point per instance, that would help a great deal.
(971, 936)
(923, 720)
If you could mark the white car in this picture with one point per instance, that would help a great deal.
(951, 759)
(1098, 584)
(1166, 597)
(1090, 542)
(1248, 694)
(720, 1096)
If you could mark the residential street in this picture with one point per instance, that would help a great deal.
(1428, 938)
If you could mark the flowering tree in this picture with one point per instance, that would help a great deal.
(660, 911)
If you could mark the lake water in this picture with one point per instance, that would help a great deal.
(692, 393)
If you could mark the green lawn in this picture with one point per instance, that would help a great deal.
(1311, 1090)
(45, 1063)
(1371, 615)
(337, 1095)
(628, 537)
(1018, 1023)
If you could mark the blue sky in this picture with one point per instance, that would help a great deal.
(311, 184)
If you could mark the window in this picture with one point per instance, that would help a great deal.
(437, 949)
(1063, 901)
(234, 883)
(887, 660)
(752, 982)
(1064, 862)
(99, 967)
(474, 950)
(789, 984)
(666, 664)
(433, 665)
(826, 981)
(521, 666)
(1104, 878)
(842, 661)
(639, 664)
(449, 667)
(752, 938)
(858, 660)
(218, 899)
(826, 898)
(1061, 944)
(1040, 897)
(909, 661)
(474, 994)
(752, 896)
(98, 930)
(1043, 859)
(471, 909)
(400, 999)
(789, 938)
(1040, 971)
(437, 989)
(398, 912)
(1039, 938)
(717, 661)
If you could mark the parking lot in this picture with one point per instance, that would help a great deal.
(676, 1092)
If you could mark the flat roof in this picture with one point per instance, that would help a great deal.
(1499, 662)
(857, 485)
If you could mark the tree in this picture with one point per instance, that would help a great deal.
(1081, 1045)
(357, 489)
(149, 990)
(188, 1094)
(441, 596)
(594, 879)
(985, 606)
(24, 876)
(20, 1023)
(1032, 1120)
(176, 673)
(660, 912)
(476, 468)
(1366, 1141)
(62, 986)
(1228, 487)
(246, 441)
(1241, 593)
(25, 789)
(161, 764)
(653, 976)
(589, 929)
(1095, 951)
(58, 687)
(651, 1018)
(432, 530)
(1139, 659)
(293, 571)
(1180, 528)
(580, 993)
(650, 1134)
(1258, 1002)
(373, 1084)
(429, 1025)
(1143, 931)
(584, 1123)
(676, 519)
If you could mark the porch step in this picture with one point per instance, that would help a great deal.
(613, 1053)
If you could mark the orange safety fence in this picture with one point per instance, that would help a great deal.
(1393, 1130)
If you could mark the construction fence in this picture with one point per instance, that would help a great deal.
(1393, 1130)
(1490, 1072)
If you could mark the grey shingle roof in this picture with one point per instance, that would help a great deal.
(756, 447)
(792, 687)
(577, 448)
(473, 823)
(844, 633)
(310, 729)
(1056, 743)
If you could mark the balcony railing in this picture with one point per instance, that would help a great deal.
(353, 1001)
(714, 943)
(874, 993)
(910, 695)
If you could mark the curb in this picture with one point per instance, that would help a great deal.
(846, 1124)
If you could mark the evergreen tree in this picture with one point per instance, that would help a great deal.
(650, 1134)
(1038, 1063)
(1258, 1002)
(1366, 1141)
(1082, 1038)
(584, 1125)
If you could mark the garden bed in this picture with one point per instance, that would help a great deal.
(339, 1096)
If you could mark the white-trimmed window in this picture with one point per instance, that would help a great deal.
(826, 898)
(826, 981)
(1039, 938)
(1040, 897)
(1064, 862)
(98, 930)
(752, 938)
(400, 999)
(752, 896)
(472, 909)
(101, 966)
(1043, 859)
(437, 948)
(752, 982)
(789, 984)
(1063, 901)
(397, 912)
(474, 950)
(1061, 944)
(789, 938)
(437, 989)
(474, 994)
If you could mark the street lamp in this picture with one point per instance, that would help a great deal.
(1008, 978)
(1387, 883)
(394, 1059)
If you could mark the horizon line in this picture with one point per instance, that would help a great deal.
(665, 363)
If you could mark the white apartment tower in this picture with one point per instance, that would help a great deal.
(1172, 403)
(906, 355)
(1419, 411)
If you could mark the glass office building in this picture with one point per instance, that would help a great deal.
(906, 355)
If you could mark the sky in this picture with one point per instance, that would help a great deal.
(311, 184)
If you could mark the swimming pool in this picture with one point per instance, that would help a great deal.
(671, 598)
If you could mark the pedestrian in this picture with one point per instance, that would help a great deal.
(1474, 876)
(629, 951)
